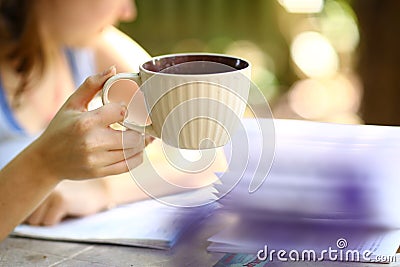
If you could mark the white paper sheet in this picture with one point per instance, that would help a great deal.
(147, 223)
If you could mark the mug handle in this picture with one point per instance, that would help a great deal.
(147, 129)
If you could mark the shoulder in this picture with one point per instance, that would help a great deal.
(116, 48)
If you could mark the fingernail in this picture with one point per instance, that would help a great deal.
(108, 71)
(148, 140)
(124, 111)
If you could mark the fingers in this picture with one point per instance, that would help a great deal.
(115, 156)
(108, 114)
(86, 92)
(50, 212)
(111, 147)
(118, 161)
(96, 148)
(54, 214)
(123, 166)
(36, 217)
(108, 139)
(124, 140)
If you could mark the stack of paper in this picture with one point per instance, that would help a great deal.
(147, 224)
(326, 180)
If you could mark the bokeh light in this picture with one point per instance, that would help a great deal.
(334, 99)
(314, 55)
(339, 25)
(302, 6)
(263, 67)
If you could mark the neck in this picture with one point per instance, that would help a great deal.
(45, 95)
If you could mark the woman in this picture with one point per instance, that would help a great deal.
(47, 48)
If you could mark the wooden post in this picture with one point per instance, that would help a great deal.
(379, 60)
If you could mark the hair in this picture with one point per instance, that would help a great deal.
(21, 42)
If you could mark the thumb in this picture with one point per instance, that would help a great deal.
(87, 91)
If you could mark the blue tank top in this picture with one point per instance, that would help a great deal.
(13, 138)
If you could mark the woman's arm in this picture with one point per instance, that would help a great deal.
(24, 182)
(78, 144)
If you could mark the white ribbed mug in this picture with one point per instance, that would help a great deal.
(194, 100)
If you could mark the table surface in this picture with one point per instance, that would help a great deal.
(189, 251)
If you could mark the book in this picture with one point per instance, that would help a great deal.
(147, 223)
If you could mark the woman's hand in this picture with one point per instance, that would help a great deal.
(80, 144)
(71, 198)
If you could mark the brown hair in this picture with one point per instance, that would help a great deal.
(21, 41)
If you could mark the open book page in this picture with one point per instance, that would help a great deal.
(147, 223)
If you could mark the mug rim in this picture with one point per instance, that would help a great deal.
(227, 56)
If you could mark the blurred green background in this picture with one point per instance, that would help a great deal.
(302, 51)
